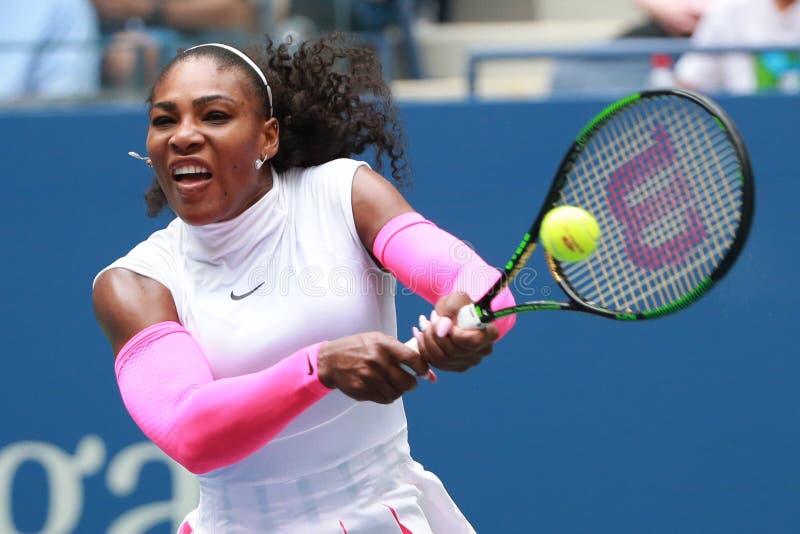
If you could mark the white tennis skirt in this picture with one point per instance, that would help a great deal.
(380, 491)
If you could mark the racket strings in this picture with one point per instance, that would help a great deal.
(674, 224)
(618, 287)
(664, 182)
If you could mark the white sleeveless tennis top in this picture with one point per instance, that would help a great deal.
(288, 272)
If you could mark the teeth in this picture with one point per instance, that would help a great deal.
(190, 169)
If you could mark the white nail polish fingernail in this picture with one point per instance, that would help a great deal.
(423, 323)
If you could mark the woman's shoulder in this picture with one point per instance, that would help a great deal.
(166, 240)
(329, 179)
(336, 168)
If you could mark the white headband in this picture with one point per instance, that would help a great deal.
(247, 60)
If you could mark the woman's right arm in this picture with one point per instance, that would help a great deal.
(170, 391)
(205, 424)
(126, 303)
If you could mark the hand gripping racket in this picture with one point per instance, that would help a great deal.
(667, 176)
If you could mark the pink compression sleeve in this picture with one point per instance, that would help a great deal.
(433, 263)
(202, 423)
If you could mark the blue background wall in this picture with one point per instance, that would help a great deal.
(575, 425)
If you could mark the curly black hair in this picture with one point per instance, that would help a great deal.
(329, 97)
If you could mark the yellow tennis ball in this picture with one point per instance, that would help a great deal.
(569, 233)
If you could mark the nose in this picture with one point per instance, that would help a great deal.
(186, 136)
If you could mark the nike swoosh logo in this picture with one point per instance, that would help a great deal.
(310, 367)
(245, 295)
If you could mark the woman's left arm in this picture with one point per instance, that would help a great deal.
(434, 264)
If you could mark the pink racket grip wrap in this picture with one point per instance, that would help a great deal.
(433, 263)
(202, 423)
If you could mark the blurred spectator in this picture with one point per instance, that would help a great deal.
(48, 48)
(668, 18)
(745, 22)
(350, 15)
(143, 32)
(434, 10)
(371, 19)
(664, 19)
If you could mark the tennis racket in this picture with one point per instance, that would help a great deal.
(667, 176)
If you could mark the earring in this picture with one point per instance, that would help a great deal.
(146, 160)
(260, 162)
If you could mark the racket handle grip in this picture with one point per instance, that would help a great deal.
(413, 345)
(430, 377)
(468, 319)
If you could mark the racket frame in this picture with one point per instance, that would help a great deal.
(575, 302)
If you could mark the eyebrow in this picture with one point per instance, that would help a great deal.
(196, 103)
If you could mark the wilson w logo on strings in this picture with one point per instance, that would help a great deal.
(653, 198)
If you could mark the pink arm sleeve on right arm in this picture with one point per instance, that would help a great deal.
(433, 263)
(202, 423)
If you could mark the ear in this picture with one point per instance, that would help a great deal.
(270, 133)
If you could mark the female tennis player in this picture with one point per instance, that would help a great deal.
(255, 336)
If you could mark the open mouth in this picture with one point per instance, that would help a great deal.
(190, 173)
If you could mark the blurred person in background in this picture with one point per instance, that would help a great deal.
(143, 32)
(615, 75)
(365, 15)
(664, 19)
(668, 18)
(745, 22)
(48, 49)
(384, 25)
